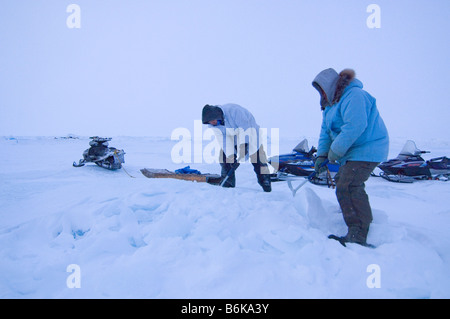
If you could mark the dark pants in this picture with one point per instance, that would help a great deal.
(351, 195)
(258, 160)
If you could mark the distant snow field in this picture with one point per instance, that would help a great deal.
(87, 232)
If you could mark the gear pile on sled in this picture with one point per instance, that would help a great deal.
(102, 155)
(409, 166)
(300, 163)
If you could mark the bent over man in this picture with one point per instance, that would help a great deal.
(238, 134)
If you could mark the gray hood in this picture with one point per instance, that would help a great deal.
(327, 81)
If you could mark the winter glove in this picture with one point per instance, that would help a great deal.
(332, 156)
(318, 164)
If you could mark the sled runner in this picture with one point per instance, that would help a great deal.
(102, 155)
(311, 178)
(182, 175)
(409, 166)
(299, 163)
(299, 166)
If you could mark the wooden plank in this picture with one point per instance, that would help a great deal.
(164, 173)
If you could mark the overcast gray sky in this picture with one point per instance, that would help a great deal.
(144, 68)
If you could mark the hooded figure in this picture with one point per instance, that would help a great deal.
(353, 134)
(238, 133)
(352, 127)
(325, 82)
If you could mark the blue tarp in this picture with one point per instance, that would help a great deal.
(187, 170)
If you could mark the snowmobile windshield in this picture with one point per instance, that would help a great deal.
(302, 147)
(409, 149)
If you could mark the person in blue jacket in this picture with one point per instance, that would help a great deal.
(353, 134)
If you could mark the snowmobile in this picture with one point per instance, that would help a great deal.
(409, 166)
(300, 163)
(102, 155)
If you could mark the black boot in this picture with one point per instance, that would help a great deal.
(231, 181)
(262, 173)
(355, 234)
(264, 181)
(228, 165)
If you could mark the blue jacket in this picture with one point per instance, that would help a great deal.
(353, 128)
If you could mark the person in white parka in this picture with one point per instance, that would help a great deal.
(238, 133)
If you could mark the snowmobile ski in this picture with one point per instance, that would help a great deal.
(409, 166)
(212, 179)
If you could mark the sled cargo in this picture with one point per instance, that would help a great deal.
(213, 179)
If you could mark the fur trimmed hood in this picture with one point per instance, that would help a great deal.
(331, 85)
(345, 78)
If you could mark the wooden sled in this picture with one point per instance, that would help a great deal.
(164, 173)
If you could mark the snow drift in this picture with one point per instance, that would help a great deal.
(147, 238)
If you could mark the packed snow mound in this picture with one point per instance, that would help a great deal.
(159, 238)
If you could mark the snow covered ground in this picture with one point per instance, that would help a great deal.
(144, 238)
